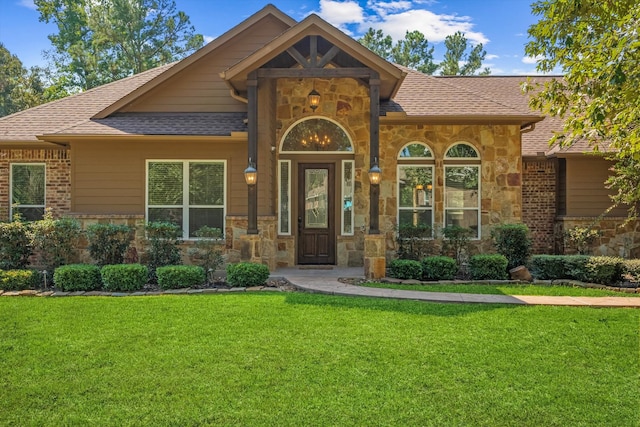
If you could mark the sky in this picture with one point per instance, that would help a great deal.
(501, 25)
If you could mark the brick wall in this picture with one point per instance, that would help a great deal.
(539, 202)
(58, 176)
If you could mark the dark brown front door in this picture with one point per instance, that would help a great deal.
(316, 222)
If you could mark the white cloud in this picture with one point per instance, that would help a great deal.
(340, 13)
(208, 39)
(29, 4)
(490, 56)
(383, 8)
(531, 59)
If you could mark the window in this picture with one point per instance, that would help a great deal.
(284, 192)
(415, 196)
(190, 194)
(28, 190)
(462, 188)
(347, 197)
(316, 134)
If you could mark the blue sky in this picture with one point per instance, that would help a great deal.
(501, 25)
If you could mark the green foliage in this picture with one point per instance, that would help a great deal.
(124, 277)
(19, 88)
(512, 241)
(56, 240)
(15, 245)
(575, 267)
(405, 269)
(456, 241)
(180, 276)
(245, 274)
(488, 267)
(631, 270)
(18, 280)
(414, 241)
(163, 239)
(108, 243)
(439, 268)
(581, 238)
(457, 61)
(547, 267)
(604, 270)
(206, 251)
(77, 277)
(595, 45)
(592, 269)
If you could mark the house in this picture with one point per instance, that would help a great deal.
(304, 147)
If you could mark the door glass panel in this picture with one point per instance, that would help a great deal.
(316, 189)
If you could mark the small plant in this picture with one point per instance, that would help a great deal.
(581, 238)
(406, 269)
(124, 277)
(488, 267)
(456, 242)
(18, 280)
(245, 274)
(180, 276)
(512, 241)
(439, 268)
(56, 240)
(206, 251)
(414, 241)
(108, 243)
(163, 239)
(15, 244)
(77, 277)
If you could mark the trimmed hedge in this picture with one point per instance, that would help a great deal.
(439, 268)
(180, 276)
(547, 267)
(631, 270)
(124, 277)
(19, 280)
(77, 277)
(405, 269)
(245, 274)
(488, 267)
(605, 270)
(512, 241)
(592, 269)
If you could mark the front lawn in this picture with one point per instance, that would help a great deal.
(293, 359)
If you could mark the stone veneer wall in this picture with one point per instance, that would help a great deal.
(539, 203)
(618, 238)
(58, 177)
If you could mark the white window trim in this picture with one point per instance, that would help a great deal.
(11, 206)
(185, 192)
(304, 119)
(425, 145)
(433, 189)
(478, 208)
(344, 195)
(280, 217)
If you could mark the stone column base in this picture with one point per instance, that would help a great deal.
(375, 263)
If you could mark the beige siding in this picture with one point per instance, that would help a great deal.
(199, 88)
(108, 177)
(585, 189)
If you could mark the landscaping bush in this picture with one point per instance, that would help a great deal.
(206, 251)
(414, 241)
(575, 267)
(512, 241)
(18, 280)
(15, 245)
(581, 238)
(247, 274)
(439, 268)
(77, 277)
(56, 240)
(180, 276)
(124, 277)
(547, 267)
(604, 270)
(631, 270)
(488, 267)
(406, 269)
(162, 239)
(456, 242)
(108, 243)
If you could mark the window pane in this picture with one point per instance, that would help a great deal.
(172, 215)
(347, 197)
(206, 183)
(29, 214)
(462, 151)
(465, 219)
(284, 198)
(211, 217)
(416, 150)
(415, 217)
(315, 206)
(165, 184)
(28, 184)
(416, 185)
(316, 135)
(461, 186)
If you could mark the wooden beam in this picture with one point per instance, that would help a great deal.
(313, 51)
(252, 119)
(328, 56)
(276, 73)
(300, 59)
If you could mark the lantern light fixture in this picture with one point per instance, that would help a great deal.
(251, 174)
(375, 174)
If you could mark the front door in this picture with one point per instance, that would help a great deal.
(316, 222)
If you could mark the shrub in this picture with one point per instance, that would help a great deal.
(18, 280)
(512, 241)
(206, 251)
(77, 277)
(604, 270)
(581, 238)
(124, 277)
(631, 270)
(439, 268)
(56, 240)
(406, 269)
(575, 267)
(548, 267)
(247, 274)
(488, 267)
(456, 242)
(15, 245)
(163, 239)
(180, 276)
(414, 241)
(108, 243)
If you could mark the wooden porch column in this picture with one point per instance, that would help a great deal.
(252, 118)
(374, 149)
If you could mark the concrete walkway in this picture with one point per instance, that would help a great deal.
(325, 281)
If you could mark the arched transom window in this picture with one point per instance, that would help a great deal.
(316, 134)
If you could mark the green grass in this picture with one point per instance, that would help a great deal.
(302, 359)
(504, 289)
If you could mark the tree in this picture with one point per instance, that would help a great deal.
(597, 47)
(456, 55)
(19, 88)
(99, 42)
